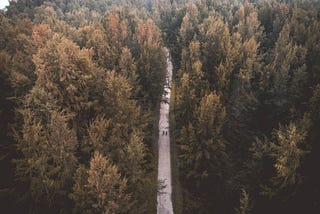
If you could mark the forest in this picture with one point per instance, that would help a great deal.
(81, 82)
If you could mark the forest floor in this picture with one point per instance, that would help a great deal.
(164, 198)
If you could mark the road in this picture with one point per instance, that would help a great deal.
(164, 199)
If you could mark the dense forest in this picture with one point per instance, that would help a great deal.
(80, 87)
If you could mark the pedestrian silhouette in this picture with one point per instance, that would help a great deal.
(166, 132)
(162, 132)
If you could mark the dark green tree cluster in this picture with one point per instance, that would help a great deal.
(80, 87)
(245, 104)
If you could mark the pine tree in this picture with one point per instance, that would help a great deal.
(286, 74)
(151, 62)
(103, 190)
(242, 96)
(139, 174)
(189, 25)
(186, 100)
(288, 155)
(245, 204)
(214, 35)
(48, 148)
(247, 23)
(128, 68)
(202, 145)
(68, 74)
(288, 151)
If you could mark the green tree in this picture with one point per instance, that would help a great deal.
(151, 62)
(242, 97)
(286, 74)
(202, 145)
(202, 154)
(189, 25)
(214, 35)
(128, 68)
(140, 174)
(186, 100)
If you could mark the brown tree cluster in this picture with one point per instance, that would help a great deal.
(80, 87)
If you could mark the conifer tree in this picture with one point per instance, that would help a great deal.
(100, 189)
(245, 206)
(128, 68)
(215, 42)
(186, 100)
(48, 147)
(288, 151)
(151, 63)
(189, 25)
(247, 23)
(202, 145)
(286, 73)
(288, 154)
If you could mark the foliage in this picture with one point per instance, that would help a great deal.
(100, 189)
(80, 86)
(245, 205)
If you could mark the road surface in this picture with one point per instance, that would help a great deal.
(164, 200)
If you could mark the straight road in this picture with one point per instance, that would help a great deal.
(164, 200)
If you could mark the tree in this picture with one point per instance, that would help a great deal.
(286, 74)
(288, 154)
(140, 175)
(98, 133)
(215, 41)
(242, 97)
(247, 23)
(202, 146)
(192, 65)
(41, 34)
(20, 50)
(189, 24)
(68, 73)
(97, 39)
(117, 35)
(128, 68)
(100, 189)
(186, 100)
(48, 146)
(202, 154)
(245, 204)
(288, 150)
(151, 62)
(272, 16)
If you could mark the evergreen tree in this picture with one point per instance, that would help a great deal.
(189, 25)
(245, 206)
(215, 42)
(48, 149)
(202, 151)
(286, 74)
(151, 62)
(100, 189)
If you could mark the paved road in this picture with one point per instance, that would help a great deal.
(164, 199)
